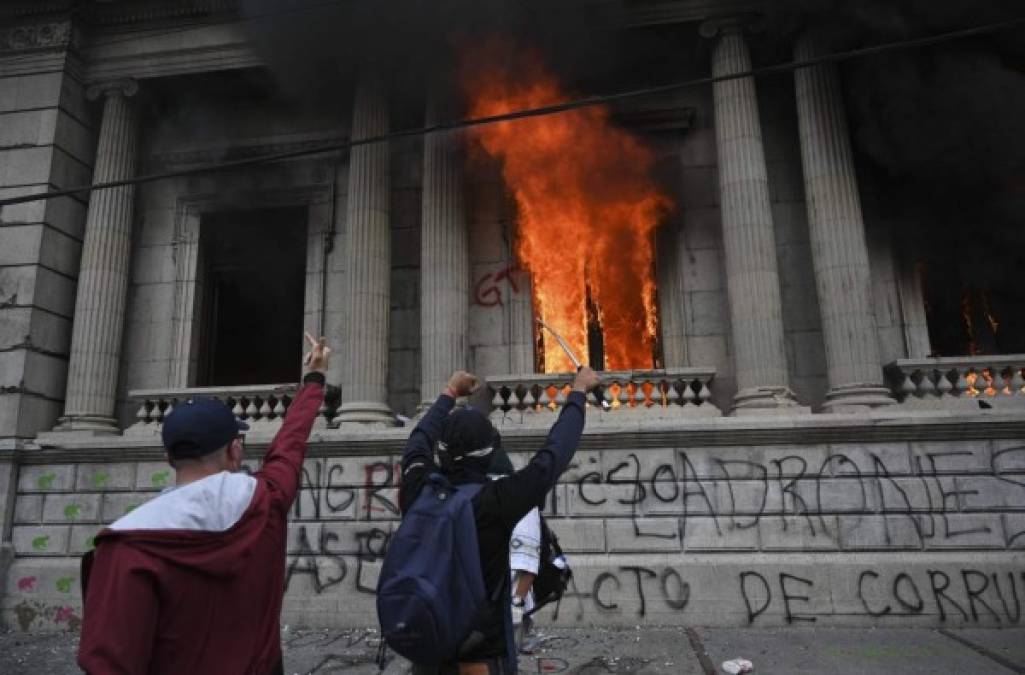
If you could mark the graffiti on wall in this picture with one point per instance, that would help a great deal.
(662, 533)
(702, 502)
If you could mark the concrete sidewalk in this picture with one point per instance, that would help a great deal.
(596, 651)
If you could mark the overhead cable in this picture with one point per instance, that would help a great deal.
(539, 111)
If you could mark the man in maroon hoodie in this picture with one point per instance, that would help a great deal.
(192, 581)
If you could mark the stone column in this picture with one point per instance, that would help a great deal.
(103, 276)
(837, 232)
(749, 240)
(367, 255)
(444, 261)
(521, 323)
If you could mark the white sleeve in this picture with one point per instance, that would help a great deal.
(525, 544)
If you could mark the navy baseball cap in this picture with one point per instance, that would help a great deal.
(199, 426)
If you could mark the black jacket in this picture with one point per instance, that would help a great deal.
(499, 505)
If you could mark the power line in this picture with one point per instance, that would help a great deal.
(787, 66)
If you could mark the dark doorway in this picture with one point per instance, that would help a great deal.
(254, 268)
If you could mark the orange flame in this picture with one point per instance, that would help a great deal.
(587, 211)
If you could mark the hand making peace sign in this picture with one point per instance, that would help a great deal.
(317, 358)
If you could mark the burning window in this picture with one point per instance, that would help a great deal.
(972, 311)
(587, 212)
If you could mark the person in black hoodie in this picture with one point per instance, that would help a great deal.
(465, 441)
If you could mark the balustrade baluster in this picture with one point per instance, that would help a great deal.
(690, 396)
(1017, 381)
(961, 386)
(545, 400)
(529, 398)
(560, 397)
(926, 387)
(624, 394)
(907, 385)
(640, 396)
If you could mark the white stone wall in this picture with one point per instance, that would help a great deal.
(496, 283)
(46, 142)
(867, 532)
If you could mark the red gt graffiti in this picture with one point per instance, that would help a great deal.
(488, 290)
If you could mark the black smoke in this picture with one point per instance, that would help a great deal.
(940, 131)
(316, 46)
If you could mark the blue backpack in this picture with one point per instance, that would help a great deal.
(430, 594)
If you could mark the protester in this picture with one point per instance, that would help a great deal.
(192, 581)
(465, 441)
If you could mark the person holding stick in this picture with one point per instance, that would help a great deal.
(464, 441)
(193, 580)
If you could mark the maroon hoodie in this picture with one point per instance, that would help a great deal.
(192, 581)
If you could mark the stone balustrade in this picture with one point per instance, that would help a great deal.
(262, 407)
(638, 394)
(978, 382)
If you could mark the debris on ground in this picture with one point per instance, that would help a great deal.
(737, 665)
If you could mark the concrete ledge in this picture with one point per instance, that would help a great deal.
(719, 431)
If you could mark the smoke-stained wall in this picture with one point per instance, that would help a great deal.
(404, 336)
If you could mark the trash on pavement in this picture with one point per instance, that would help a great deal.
(738, 665)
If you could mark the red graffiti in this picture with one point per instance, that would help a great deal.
(488, 291)
(62, 614)
(373, 499)
(26, 583)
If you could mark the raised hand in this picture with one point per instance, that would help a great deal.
(316, 360)
(585, 380)
(461, 383)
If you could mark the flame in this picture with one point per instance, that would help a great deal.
(587, 211)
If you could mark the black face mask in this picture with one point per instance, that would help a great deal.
(467, 442)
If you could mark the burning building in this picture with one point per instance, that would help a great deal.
(810, 327)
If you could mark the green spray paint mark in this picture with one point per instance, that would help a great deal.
(45, 482)
(90, 543)
(71, 511)
(160, 477)
(41, 543)
(130, 508)
(100, 479)
(64, 584)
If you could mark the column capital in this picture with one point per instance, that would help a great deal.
(124, 86)
(731, 23)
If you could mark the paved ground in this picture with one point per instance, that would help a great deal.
(647, 651)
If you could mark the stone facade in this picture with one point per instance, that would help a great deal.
(853, 494)
(762, 525)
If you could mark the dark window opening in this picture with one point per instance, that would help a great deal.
(974, 299)
(253, 267)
